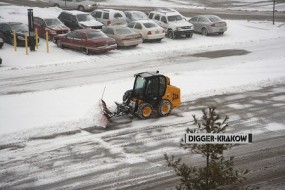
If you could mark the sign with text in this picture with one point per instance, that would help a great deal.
(217, 138)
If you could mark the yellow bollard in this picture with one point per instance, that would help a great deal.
(37, 37)
(26, 43)
(15, 40)
(47, 41)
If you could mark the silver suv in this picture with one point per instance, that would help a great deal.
(81, 5)
(110, 17)
(173, 23)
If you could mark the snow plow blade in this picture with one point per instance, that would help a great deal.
(107, 115)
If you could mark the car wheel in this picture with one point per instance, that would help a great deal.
(85, 51)
(143, 40)
(56, 5)
(164, 108)
(144, 111)
(189, 35)
(81, 8)
(204, 31)
(59, 44)
(171, 34)
(221, 33)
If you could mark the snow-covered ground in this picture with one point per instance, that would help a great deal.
(52, 111)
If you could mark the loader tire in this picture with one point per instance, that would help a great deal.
(164, 108)
(144, 111)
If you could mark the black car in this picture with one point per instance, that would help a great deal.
(1, 41)
(7, 28)
(79, 20)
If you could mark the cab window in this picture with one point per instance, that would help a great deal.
(152, 88)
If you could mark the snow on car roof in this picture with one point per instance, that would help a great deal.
(75, 12)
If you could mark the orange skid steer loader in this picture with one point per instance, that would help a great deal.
(151, 93)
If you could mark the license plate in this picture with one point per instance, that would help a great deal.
(156, 32)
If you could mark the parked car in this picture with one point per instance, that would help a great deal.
(123, 35)
(1, 41)
(7, 28)
(81, 5)
(110, 16)
(79, 20)
(173, 22)
(208, 24)
(148, 29)
(135, 15)
(52, 25)
(86, 40)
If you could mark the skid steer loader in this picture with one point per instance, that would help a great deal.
(151, 93)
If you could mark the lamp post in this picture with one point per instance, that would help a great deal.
(32, 40)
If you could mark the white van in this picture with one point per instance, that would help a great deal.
(110, 17)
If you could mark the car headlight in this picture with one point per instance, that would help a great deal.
(178, 29)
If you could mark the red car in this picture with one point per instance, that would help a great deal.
(52, 25)
(86, 40)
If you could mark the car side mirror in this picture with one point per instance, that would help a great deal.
(165, 22)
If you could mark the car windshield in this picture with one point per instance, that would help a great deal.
(215, 19)
(84, 17)
(96, 35)
(124, 31)
(139, 16)
(80, 0)
(149, 25)
(53, 22)
(174, 18)
(19, 27)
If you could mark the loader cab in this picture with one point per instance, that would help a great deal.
(149, 87)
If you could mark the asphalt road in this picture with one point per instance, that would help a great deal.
(126, 157)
